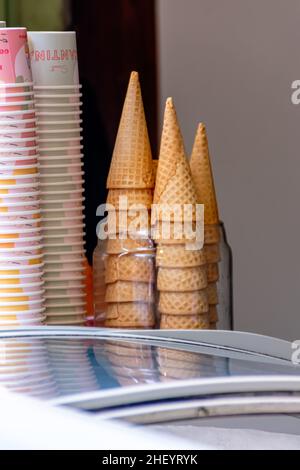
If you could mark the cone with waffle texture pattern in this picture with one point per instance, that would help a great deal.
(184, 322)
(203, 178)
(131, 165)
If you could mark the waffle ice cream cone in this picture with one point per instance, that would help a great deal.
(182, 279)
(139, 268)
(212, 253)
(123, 291)
(213, 314)
(133, 198)
(184, 322)
(171, 233)
(136, 224)
(129, 245)
(212, 272)
(203, 178)
(154, 167)
(131, 165)
(183, 303)
(131, 316)
(178, 256)
(211, 234)
(174, 183)
(212, 294)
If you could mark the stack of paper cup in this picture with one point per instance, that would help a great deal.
(58, 105)
(21, 259)
(25, 368)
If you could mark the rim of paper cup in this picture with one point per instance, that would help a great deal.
(18, 113)
(79, 234)
(58, 113)
(29, 322)
(58, 96)
(17, 140)
(19, 167)
(16, 103)
(22, 294)
(40, 267)
(80, 226)
(16, 195)
(18, 121)
(21, 302)
(20, 149)
(18, 130)
(4, 215)
(66, 209)
(66, 270)
(56, 149)
(80, 199)
(65, 175)
(20, 231)
(61, 281)
(61, 157)
(25, 258)
(63, 139)
(60, 131)
(59, 245)
(22, 275)
(55, 123)
(47, 167)
(20, 240)
(44, 219)
(16, 95)
(21, 186)
(79, 182)
(18, 223)
(22, 286)
(16, 85)
(79, 260)
(56, 87)
(20, 203)
(52, 105)
(19, 177)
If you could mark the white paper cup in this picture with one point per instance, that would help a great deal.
(77, 256)
(19, 134)
(62, 275)
(59, 224)
(11, 124)
(66, 283)
(15, 87)
(50, 196)
(11, 97)
(60, 125)
(31, 197)
(70, 115)
(13, 152)
(19, 160)
(62, 205)
(75, 230)
(59, 170)
(20, 279)
(57, 134)
(61, 160)
(57, 89)
(61, 249)
(17, 115)
(62, 142)
(53, 106)
(21, 170)
(21, 245)
(54, 58)
(57, 151)
(22, 288)
(58, 180)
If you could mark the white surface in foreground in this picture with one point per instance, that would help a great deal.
(232, 439)
(33, 425)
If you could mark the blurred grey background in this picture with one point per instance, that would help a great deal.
(231, 64)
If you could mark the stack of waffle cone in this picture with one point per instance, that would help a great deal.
(129, 262)
(203, 178)
(181, 275)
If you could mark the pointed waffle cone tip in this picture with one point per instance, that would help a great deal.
(203, 177)
(174, 182)
(131, 164)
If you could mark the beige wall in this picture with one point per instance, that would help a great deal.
(231, 63)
